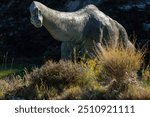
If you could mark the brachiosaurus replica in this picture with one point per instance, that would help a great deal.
(80, 30)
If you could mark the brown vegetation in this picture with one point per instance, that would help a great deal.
(112, 75)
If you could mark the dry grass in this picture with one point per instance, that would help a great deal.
(112, 75)
(119, 67)
(138, 92)
(11, 85)
(119, 62)
(58, 80)
(146, 75)
(4, 86)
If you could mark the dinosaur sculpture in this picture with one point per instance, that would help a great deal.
(79, 29)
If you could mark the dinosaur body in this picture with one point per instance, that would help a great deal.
(78, 30)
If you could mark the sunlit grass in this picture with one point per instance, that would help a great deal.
(111, 75)
(4, 73)
(16, 69)
(146, 75)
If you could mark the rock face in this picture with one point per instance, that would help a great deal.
(19, 38)
(76, 4)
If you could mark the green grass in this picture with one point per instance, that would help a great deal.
(7, 72)
(16, 69)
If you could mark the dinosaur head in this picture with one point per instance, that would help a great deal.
(36, 15)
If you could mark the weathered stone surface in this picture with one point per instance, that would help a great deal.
(81, 30)
(20, 38)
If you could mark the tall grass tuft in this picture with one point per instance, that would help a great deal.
(119, 62)
(119, 68)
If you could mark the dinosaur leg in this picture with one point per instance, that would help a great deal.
(65, 51)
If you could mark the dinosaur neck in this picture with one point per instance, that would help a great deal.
(55, 22)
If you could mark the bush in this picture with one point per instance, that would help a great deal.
(59, 80)
(8, 87)
(119, 68)
(119, 62)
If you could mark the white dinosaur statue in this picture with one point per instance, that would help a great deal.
(78, 30)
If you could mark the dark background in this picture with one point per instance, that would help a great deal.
(21, 40)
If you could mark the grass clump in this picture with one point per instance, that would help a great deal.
(8, 87)
(119, 72)
(146, 75)
(4, 86)
(119, 62)
(138, 92)
(65, 79)
(60, 80)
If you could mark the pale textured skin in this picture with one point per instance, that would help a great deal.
(78, 30)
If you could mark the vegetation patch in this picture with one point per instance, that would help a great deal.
(112, 75)
(14, 69)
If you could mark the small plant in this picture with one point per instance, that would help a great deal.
(146, 75)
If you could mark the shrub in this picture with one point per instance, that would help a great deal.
(60, 80)
(119, 62)
(10, 85)
(119, 68)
